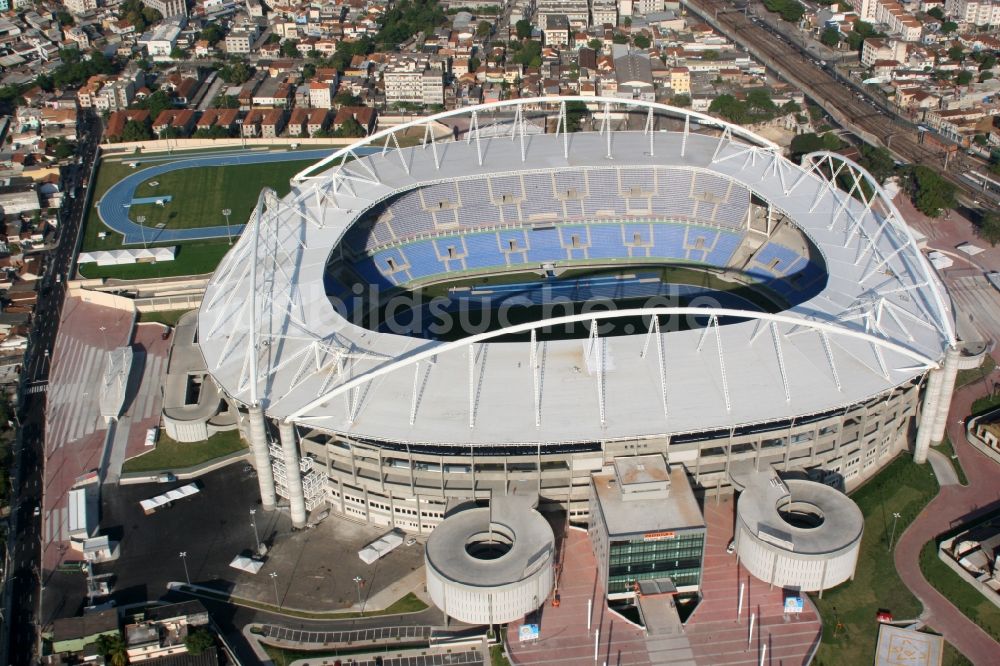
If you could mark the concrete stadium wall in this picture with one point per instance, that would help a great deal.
(163, 145)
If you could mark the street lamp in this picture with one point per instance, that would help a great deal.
(227, 212)
(274, 579)
(357, 581)
(895, 517)
(187, 576)
(142, 230)
(253, 523)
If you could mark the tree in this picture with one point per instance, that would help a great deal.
(235, 73)
(641, 41)
(530, 54)
(65, 18)
(987, 61)
(212, 33)
(989, 228)
(729, 108)
(956, 53)
(949, 27)
(61, 148)
(931, 193)
(831, 141)
(290, 48)
(758, 99)
(627, 21)
(877, 161)
(805, 143)
(830, 37)
(619, 38)
(177, 53)
(351, 129)
(985, 76)
(474, 64)
(682, 101)
(936, 12)
(346, 99)
(198, 641)
(789, 10)
(595, 44)
(861, 32)
(575, 113)
(523, 29)
(964, 78)
(483, 29)
(156, 103)
(273, 38)
(112, 647)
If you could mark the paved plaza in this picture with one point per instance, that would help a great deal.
(713, 634)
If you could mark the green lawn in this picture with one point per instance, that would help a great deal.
(200, 195)
(410, 603)
(902, 487)
(168, 317)
(985, 404)
(497, 657)
(966, 598)
(169, 454)
(947, 449)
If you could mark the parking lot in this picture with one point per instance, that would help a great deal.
(315, 567)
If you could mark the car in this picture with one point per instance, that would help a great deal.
(411, 541)
(38, 511)
(731, 548)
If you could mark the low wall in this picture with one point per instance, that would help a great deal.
(990, 595)
(162, 145)
(970, 436)
(101, 298)
(184, 473)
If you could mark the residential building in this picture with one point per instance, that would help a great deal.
(412, 82)
(320, 95)
(163, 631)
(297, 122)
(80, 6)
(680, 80)
(604, 12)
(272, 123)
(556, 32)
(576, 11)
(168, 8)
(366, 116)
(318, 120)
(240, 41)
(163, 38)
(976, 12)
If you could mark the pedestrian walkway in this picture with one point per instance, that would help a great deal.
(75, 433)
(953, 505)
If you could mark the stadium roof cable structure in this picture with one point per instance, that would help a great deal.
(272, 337)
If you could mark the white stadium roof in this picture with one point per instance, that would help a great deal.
(271, 336)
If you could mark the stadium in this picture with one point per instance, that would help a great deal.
(529, 293)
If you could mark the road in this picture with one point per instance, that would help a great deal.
(953, 505)
(830, 89)
(20, 639)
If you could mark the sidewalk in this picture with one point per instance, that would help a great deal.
(953, 504)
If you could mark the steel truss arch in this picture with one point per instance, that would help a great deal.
(823, 328)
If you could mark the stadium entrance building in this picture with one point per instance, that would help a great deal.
(645, 525)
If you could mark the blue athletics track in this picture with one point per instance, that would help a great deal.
(113, 207)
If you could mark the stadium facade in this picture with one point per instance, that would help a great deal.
(817, 338)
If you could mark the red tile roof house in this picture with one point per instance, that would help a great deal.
(297, 122)
(273, 123)
(366, 116)
(182, 119)
(251, 124)
(118, 119)
(318, 120)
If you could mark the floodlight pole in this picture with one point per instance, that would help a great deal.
(357, 581)
(253, 523)
(227, 212)
(142, 230)
(892, 536)
(274, 579)
(187, 576)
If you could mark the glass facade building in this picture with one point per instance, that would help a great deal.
(678, 557)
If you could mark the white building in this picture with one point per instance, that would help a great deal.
(413, 82)
(240, 41)
(168, 7)
(604, 11)
(977, 12)
(80, 6)
(320, 95)
(162, 39)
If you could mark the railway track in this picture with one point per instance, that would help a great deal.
(828, 91)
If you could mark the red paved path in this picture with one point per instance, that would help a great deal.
(713, 633)
(953, 504)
